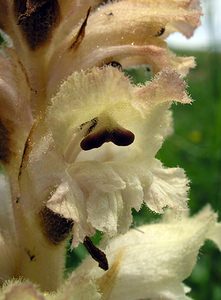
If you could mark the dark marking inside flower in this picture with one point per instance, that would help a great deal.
(27, 150)
(80, 35)
(56, 227)
(160, 32)
(24, 155)
(37, 19)
(115, 64)
(105, 2)
(31, 256)
(118, 136)
(26, 77)
(93, 123)
(96, 254)
(5, 143)
(110, 14)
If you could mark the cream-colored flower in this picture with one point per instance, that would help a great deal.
(52, 118)
(89, 161)
(106, 134)
(149, 262)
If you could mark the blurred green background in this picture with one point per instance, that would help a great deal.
(196, 147)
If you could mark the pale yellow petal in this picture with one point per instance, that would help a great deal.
(9, 258)
(119, 30)
(153, 260)
(169, 189)
(20, 291)
(79, 288)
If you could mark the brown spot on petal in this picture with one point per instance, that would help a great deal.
(92, 123)
(37, 19)
(31, 256)
(5, 143)
(110, 14)
(160, 32)
(118, 136)
(96, 254)
(27, 149)
(26, 77)
(80, 35)
(56, 227)
(115, 64)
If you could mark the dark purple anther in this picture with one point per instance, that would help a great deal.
(122, 137)
(118, 136)
(96, 253)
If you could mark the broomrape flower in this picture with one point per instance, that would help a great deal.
(97, 189)
(78, 139)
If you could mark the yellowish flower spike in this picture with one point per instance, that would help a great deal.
(104, 138)
(77, 139)
(75, 35)
(149, 262)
